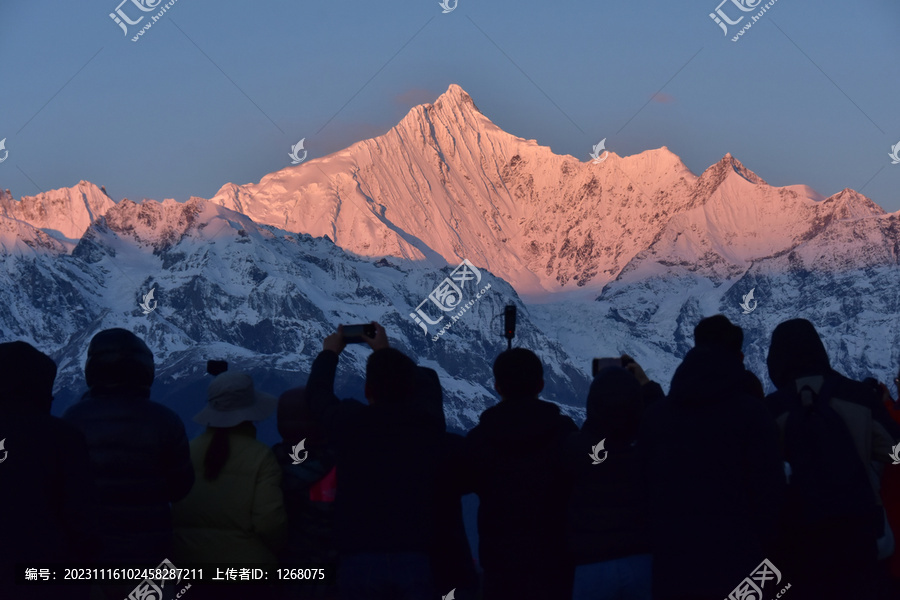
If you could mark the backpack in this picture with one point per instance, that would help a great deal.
(828, 480)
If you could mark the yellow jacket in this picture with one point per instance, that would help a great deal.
(239, 517)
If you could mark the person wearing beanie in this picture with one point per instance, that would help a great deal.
(235, 511)
(46, 507)
(138, 448)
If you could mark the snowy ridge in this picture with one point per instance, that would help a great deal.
(64, 214)
(20, 238)
(257, 296)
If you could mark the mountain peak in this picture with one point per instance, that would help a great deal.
(455, 104)
(718, 173)
(739, 168)
(64, 214)
(455, 95)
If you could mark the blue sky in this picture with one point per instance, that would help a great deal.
(217, 92)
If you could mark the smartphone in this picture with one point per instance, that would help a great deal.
(598, 364)
(216, 367)
(353, 333)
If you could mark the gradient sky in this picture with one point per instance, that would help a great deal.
(218, 91)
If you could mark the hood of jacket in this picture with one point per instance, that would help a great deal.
(118, 360)
(708, 373)
(796, 351)
(26, 378)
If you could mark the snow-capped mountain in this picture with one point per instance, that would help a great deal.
(625, 255)
(64, 214)
(447, 184)
(260, 297)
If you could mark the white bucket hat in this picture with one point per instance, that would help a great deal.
(232, 400)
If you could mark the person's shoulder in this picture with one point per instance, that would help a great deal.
(251, 447)
(853, 390)
(552, 408)
(488, 418)
(61, 427)
(161, 412)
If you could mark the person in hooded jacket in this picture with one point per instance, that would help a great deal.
(714, 475)
(46, 512)
(138, 448)
(451, 555)
(607, 509)
(513, 461)
(386, 455)
(309, 481)
(830, 554)
(797, 351)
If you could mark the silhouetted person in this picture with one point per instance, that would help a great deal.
(607, 508)
(714, 475)
(513, 457)
(651, 391)
(386, 453)
(797, 351)
(235, 511)
(890, 495)
(45, 481)
(138, 449)
(717, 329)
(451, 555)
(310, 489)
(830, 436)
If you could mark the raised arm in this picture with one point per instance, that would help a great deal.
(320, 395)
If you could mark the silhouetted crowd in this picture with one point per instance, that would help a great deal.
(712, 491)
